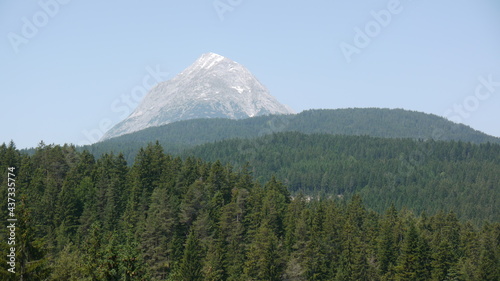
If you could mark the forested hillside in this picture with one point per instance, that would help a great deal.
(421, 175)
(164, 218)
(387, 123)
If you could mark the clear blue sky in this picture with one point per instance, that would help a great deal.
(66, 66)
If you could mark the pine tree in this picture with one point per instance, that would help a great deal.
(353, 264)
(334, 221)
(190, 265)
(33, 264)
(68, 265)
(92, 252)
(149, 165)
(232, 231)
(317, 261)
(10, 156)
(442, 259)
(408, 267)
(292, 215)
(156, 232)
(218, 182)
(470, 247)
(109, 267)
(489, 261)
(264, 258)
(274, 205)
(424, 259)
(214, 268)
(131, 264)
(388, 241)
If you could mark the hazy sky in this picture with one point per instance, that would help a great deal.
(71, 69)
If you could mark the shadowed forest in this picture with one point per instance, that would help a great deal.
(171, 218)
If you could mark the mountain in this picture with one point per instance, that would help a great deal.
(387, 123)
(212, 87)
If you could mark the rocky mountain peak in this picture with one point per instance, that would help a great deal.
(212, 87)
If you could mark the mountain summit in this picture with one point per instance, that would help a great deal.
(212, 87)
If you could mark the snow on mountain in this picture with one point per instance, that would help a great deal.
(213, 86)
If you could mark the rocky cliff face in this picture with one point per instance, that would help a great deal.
(212, 87)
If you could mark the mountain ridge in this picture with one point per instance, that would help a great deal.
(212, 87)
(385, 123)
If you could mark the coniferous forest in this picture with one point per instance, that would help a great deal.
(428, 175)
(376, 122)
(163, 217)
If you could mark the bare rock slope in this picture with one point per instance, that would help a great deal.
(212, 87)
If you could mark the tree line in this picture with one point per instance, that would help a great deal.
(422, 175)
(168, 218)
(377, 122)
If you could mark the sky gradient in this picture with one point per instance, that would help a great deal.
(72, 69)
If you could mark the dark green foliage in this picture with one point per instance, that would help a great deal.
(377, 122)
(215, 262)
(194, 220)
(32, 262)
(421, 175)
(489, 261)
(414, 259)
(190, 264)
(389, 239)
(264, 260)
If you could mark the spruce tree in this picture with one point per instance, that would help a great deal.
(408, 266)
(388, 241)
(489, 261)
(191, 265)
(264, 257)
